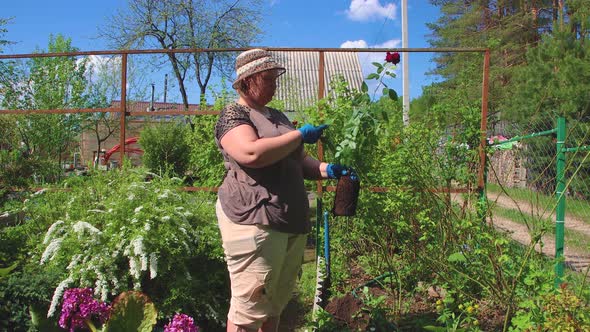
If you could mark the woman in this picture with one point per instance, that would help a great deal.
(262, 207)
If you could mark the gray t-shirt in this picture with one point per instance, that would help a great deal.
(273, 195)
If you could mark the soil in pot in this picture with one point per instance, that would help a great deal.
(347, 193)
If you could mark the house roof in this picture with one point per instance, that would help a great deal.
(298, 87)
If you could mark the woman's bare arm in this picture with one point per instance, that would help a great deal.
(244, 146)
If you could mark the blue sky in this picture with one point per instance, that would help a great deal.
(288, 23)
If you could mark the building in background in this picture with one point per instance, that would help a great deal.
(298, 87)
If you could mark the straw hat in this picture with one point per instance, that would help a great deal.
(254, 61)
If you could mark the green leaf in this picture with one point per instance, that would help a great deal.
(41, 322)
(364, 87)
(5, 271)
(385, 91)
(378, 65)
(329, 121)
(392, 94)
(373, 76)
(132, 311)
(457, 257)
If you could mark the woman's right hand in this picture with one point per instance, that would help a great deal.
(312, 133)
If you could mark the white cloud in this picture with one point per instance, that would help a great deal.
(366, 10)
(354, 44)
(99, 66)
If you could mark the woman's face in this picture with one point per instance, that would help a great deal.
(263, 86)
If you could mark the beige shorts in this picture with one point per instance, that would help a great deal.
(263, 267)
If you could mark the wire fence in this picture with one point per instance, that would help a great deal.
(538, 187)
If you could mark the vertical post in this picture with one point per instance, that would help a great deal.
(318, 220)
(327, 244)
(560, 195)
(321, 88)
(405, 66)
(483, 129)
(123, 107)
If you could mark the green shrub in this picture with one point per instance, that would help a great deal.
(113, 231)
(165, 148)
(18, 169)
(206, 163)
(553, 310)
(29, 287)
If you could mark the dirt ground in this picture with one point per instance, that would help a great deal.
(576, 259)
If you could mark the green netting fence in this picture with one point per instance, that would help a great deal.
(538, 188)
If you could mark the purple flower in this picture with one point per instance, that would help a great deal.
(79, 306)
(181, 323)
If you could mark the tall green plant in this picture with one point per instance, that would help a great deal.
(165, 148)
(206, 163)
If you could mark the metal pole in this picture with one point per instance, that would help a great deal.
(520, 138)
(484, 118)
(481, 186)
(123, 108)
(321, 88)
(318, 220)
(207, 50)
(405, 65)
(559, 192)
(327, 244)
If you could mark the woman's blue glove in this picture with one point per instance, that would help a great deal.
(335, 171)
(312, 133)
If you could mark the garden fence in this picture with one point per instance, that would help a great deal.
(538, 187)
(128, 119)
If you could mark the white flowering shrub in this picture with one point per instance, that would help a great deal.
(115, 231)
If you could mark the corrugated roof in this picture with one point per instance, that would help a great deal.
(298, 87)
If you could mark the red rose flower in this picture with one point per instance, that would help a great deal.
(392, 57)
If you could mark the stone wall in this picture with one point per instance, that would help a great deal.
(506, 168)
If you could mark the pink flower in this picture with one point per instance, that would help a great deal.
(181, 323)
(392, 57)
(79, 306)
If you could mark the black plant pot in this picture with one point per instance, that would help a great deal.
(347, 194)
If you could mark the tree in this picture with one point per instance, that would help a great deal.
(7, 140)
(5, 66)
(48, 83)
(177, 24)
(3, 30)
(508, 28)
(104, 86)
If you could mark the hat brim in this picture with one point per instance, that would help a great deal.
(277, 66)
